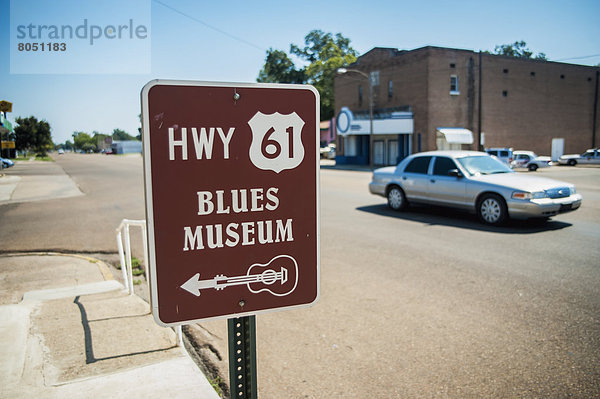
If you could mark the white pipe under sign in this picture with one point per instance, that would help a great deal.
(125, 259)
(128, 258)
(122, 258)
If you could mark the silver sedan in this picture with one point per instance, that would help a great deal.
(473, 181)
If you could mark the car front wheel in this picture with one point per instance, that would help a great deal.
(532, 167)
(396, 198)
(572, 162)
(491, 209)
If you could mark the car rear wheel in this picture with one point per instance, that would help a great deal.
(491, 209)
(532, 167)
(396, 198)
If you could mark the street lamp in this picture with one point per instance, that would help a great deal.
(342, 71)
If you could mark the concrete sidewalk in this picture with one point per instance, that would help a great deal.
(35, 181)
(68, 330)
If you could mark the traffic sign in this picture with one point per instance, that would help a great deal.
(232, 198)
(5, 106)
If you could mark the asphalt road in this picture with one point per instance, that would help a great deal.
(113, 189)
(424, 303)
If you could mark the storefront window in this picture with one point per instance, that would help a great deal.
(350, 146)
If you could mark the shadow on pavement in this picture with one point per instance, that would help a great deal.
(433, 215)
(89, 347)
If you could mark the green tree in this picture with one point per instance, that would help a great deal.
(324, 53)
(279, 68)
(84, 142)
(121, 135)
(518, 49)
(33, 135)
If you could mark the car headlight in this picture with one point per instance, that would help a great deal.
(526, 195)
(572, 190)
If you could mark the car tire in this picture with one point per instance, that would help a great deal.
(396, 198)
(532, 167)
(572, 162)
(492, 210)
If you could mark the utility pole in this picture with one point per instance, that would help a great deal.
(595, 111)
(479, 144)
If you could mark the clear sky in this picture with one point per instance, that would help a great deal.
(227, 41)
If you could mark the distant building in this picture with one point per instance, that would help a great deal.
(441, 98)
(126, 147)
(327, 129)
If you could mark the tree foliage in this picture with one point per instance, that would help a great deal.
(84, 142)
(518, 49)
(324, 53)
(279, 68)
(121, 135)
(33, 135)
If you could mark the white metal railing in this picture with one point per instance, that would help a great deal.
(125, 256)
(126, 262)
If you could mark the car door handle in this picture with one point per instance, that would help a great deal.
(432, 180)
(403, 177)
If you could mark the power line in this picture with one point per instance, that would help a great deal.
(579, 58)
(210, 26)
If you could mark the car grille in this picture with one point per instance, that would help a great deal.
(560, 192)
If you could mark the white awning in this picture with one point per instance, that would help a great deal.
(456, 135)
(399, 122)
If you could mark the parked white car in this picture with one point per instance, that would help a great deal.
(529, 160)
(503, 154)
(591, 156)
(328, 152)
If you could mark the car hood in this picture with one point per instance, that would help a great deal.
(570, 156)
(521, 182)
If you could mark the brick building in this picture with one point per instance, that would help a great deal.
(436, 97)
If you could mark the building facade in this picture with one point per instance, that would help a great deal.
(432, 98)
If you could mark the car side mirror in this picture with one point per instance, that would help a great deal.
(455, 172)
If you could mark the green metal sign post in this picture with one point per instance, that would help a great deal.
(242, 357)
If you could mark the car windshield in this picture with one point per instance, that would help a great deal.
(483, 165)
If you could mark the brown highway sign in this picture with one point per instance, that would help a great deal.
(232, 198)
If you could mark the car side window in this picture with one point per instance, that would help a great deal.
(418, 165)
(443, 165)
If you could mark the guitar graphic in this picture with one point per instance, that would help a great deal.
(279, 277)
